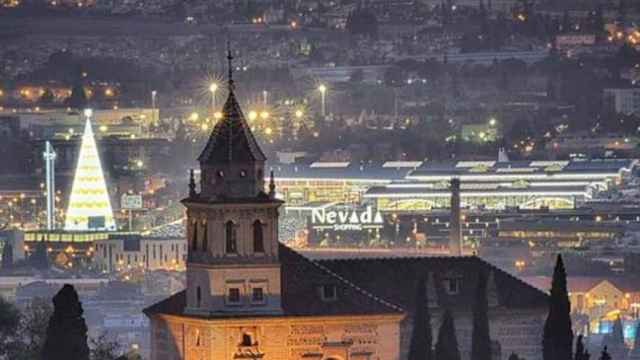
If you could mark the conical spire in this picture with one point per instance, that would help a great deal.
(231, 139)
(89, 200)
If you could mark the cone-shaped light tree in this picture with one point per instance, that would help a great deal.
(67, 330)
(89, 203)
(557, 342)
(421, 338)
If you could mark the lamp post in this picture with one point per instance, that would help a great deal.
(213, 88)
(323, 91)
(153, 105)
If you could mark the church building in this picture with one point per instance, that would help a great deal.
(250, 297)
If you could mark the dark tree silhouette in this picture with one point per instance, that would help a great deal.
(7, 256)
(605, 354)
(39, 259)
(581, 353)
(362, 21)
(78, 98)
(447, 345)
(67, 330)
(480, 337)
(47, 97)
(557, 340)
(421, 338)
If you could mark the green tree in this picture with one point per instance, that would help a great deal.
(31, 332)
(78, 98)
(421, 338)
(67, 330)
(39, 259)
(7, 256)
(557, 340)
(447, 344)
(480, 337)
(9, 322)
(47, 97)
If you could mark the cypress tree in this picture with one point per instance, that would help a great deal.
(40, 259)
(480, 338)
(605, 354)
(617, 336)
(7, 256)
(580, 352)
(557, 340)
(447, 345)
(421, 338)
(67, 330)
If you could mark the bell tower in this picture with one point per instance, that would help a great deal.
(232, 223)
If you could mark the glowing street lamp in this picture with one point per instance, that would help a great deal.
(153, 99)
(213, 88)
(299, 114)
(323, 91)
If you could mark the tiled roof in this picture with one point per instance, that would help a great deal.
(396, 279)
(301, 282)
(231, 138)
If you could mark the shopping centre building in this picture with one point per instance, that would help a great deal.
(407, 186)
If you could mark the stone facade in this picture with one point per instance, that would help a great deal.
(320, 338)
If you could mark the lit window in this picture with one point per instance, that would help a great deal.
(233, 297)
(328, 293)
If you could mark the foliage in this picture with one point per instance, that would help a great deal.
(362, 21)
(581, 353)
(7, 256)
(557, 340)
(421, 338)
(78, 98)
(447, 345)
(39, 259)
(67, 330)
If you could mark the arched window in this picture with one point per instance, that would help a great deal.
(205, 236)
(258, 237)
(246, 340)
(194, 238)
(230, 237)
(198, 296)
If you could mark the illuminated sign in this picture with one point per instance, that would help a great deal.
(346, 219)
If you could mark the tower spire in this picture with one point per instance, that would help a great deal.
(230, 65)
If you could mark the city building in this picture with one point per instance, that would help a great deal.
(248, 296)
(623, 100)
(408, 186)
(128, 252)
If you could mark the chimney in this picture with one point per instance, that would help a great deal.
(455, 235)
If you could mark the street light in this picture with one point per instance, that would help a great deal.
(323, 90)
(153, 99)
(265, 95)
(213, 88)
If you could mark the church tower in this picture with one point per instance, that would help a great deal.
(232, 224)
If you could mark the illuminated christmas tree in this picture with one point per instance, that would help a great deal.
(89, 206)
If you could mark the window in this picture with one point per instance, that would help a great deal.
(452, 285)
(243, 173)
(230, 237)
(194, 239)
(258, 238)
(220, 174)
(233, 296)
(198, 296)
(257, 295)
(328, 293)
(246, 340)
(205, 236)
